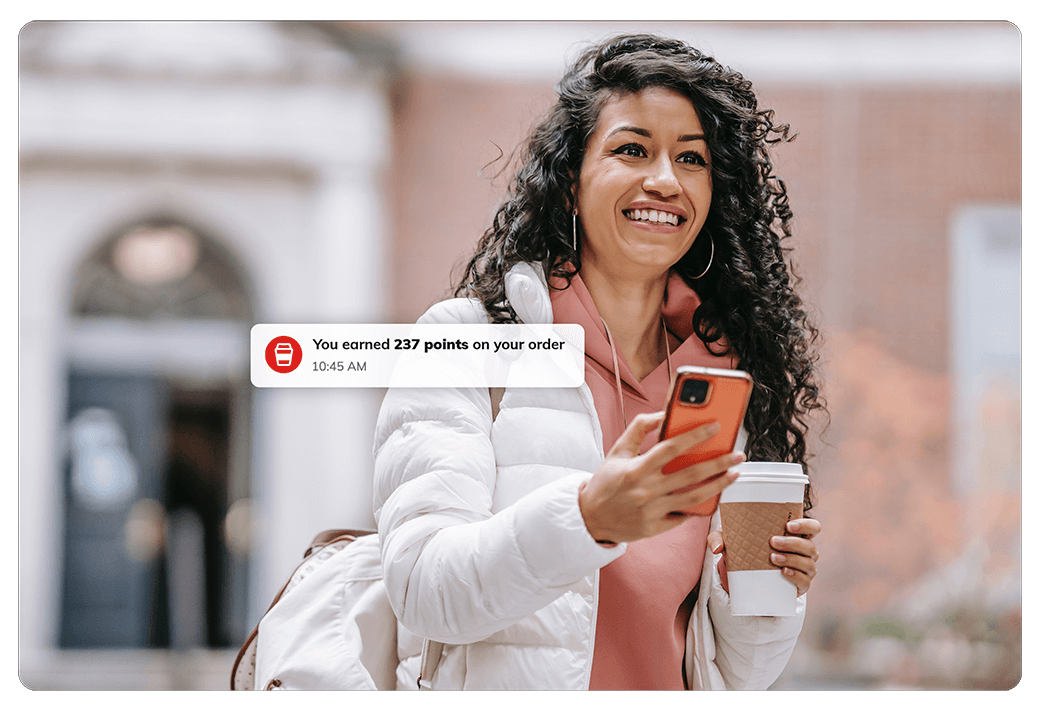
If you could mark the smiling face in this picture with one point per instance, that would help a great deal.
(645, 185)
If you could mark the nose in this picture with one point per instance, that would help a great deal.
(661, 178)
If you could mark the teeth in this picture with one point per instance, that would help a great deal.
(656, 216)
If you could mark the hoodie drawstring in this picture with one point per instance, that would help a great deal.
(617, 371)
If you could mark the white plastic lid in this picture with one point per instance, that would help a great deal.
(771, 472)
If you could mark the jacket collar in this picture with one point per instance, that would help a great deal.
(528, 293)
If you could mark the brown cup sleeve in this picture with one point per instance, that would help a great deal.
(747, 527)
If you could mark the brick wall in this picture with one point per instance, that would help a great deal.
(875, 176)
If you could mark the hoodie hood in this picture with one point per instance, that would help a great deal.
(528, 293)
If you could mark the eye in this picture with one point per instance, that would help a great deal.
(693, 158)
(632, 150)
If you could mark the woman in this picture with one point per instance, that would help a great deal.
(646, 210)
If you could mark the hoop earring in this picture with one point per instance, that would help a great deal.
(710, 258)
(574, 230)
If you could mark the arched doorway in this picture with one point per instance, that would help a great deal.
(156, 475)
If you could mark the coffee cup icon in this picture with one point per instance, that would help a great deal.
(283, 354)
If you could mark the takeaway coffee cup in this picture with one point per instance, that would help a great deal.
(283, 354)
(754, 508)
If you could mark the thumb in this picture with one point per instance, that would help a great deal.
(632, 438)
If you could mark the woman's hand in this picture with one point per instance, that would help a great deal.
(796, 554)
(629, 497)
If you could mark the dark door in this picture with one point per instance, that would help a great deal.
(117, 427)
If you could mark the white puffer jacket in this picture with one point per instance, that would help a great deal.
(484, 546)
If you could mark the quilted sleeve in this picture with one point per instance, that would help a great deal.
(730, 651)
(455, 572)
(750, 652)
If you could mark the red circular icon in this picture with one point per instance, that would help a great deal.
(283, 354)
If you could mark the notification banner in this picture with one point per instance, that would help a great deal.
(417, 355)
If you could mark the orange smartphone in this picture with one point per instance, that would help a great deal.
(699, 396)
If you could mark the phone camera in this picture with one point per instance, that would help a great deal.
(694, 392)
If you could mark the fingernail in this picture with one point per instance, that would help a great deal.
(732, 476)
(777, 558)
(793, 527)
(775, 540)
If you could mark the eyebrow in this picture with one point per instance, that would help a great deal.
(643, 132)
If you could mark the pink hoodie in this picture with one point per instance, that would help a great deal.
(643, 608)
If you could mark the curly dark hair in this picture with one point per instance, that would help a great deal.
(747, 295)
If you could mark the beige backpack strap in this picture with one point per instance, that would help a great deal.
(431, 658)
(496, 401)
(333, 535)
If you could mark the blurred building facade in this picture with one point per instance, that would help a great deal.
(180, 182)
